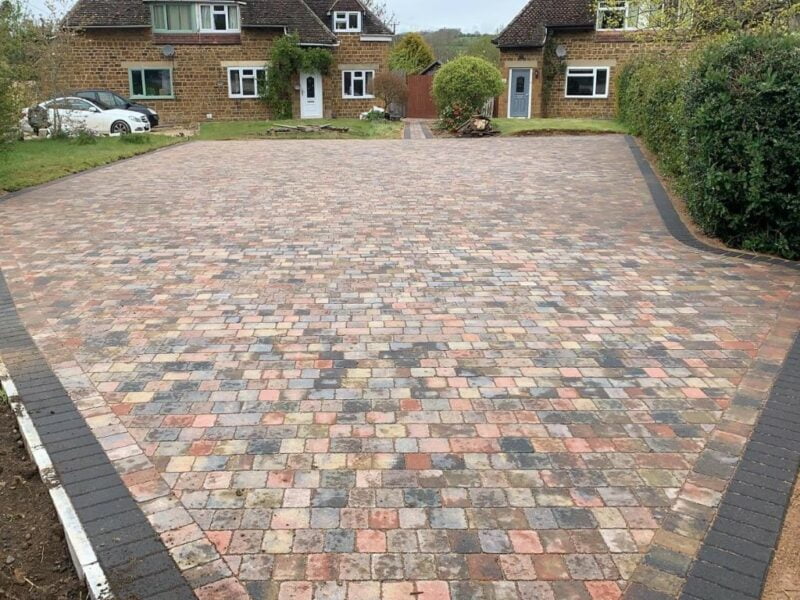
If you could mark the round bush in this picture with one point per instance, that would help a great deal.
(467, 82)
(742, 107)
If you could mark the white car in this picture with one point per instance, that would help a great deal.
(74, 115)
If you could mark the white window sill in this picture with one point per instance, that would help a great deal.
(358, 97)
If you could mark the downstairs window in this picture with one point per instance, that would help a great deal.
(357, 84)
(246, 82)
(587, 82)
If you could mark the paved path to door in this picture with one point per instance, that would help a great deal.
(439, 369)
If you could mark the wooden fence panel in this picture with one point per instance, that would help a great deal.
(420, 97)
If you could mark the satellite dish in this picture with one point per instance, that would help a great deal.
(168, 51)
(561, 51)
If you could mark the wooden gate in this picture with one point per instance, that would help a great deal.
(420, 97)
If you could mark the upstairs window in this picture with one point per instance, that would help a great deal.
(219, 18)
(174, 17)
(625, 15)
(185, 17)
(347, 21)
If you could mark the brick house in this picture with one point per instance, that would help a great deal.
(195, 60)
(559, 57)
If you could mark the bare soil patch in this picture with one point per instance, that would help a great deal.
(34, 560)
(783, 580)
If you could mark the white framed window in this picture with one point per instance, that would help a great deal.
(347, 21)
(626, 15)
(587, 82)
(174, 17)
(357, 84)
(219, 18)
(246, 82)
(150, 82)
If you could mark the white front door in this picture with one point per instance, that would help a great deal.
(310, 96)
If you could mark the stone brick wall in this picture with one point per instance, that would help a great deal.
(586, 48)
(101, 58)
(524, 59)
(352, 51)
(601, 49)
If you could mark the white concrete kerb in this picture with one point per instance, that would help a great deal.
(83, 557)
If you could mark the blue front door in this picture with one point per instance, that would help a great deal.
(519, 93)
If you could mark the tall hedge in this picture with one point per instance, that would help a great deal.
(650, 98)
(726, 122)
(743, 156)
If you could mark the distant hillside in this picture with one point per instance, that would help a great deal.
(449, 43)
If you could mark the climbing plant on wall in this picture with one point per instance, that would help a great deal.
(552, 67)
(287, 58)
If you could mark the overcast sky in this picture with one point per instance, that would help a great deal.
(412, 15)
(467, 15)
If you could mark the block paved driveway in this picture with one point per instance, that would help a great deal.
(401, 369)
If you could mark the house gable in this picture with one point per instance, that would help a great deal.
(529, 28)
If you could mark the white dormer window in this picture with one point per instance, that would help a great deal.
(347, 21)
(219, 18)
(625, 15)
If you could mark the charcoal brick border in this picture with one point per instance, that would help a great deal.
(132, 555)
(734, 558)
(677, 228)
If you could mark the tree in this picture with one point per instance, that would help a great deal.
(683, 20)
(467, 82)
(380, 9)
(411, 54)
(391, 88)
(18, 36)
(482, 47)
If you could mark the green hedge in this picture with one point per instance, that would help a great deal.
(726, 122)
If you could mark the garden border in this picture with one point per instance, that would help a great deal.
(735, 553)
(110, 537)
(675, 225)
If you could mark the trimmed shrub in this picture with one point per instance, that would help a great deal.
(467, 82)
(726, 123)
(743, 150)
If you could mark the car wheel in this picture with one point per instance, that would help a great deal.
(120, 127)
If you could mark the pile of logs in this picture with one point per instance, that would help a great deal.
(306, 129)
(477, 126)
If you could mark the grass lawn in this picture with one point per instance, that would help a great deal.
(523, 126)
(24, 164)
(241, 130)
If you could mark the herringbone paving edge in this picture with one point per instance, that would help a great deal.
(733, 560)
(130, 552)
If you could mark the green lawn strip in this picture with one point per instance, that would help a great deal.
(242, 130)
(510, 127)
(24, 164)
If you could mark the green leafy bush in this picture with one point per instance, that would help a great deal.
(726, 123)
(743, 150)
(467, 82)
(650, 99)
(452, 117)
